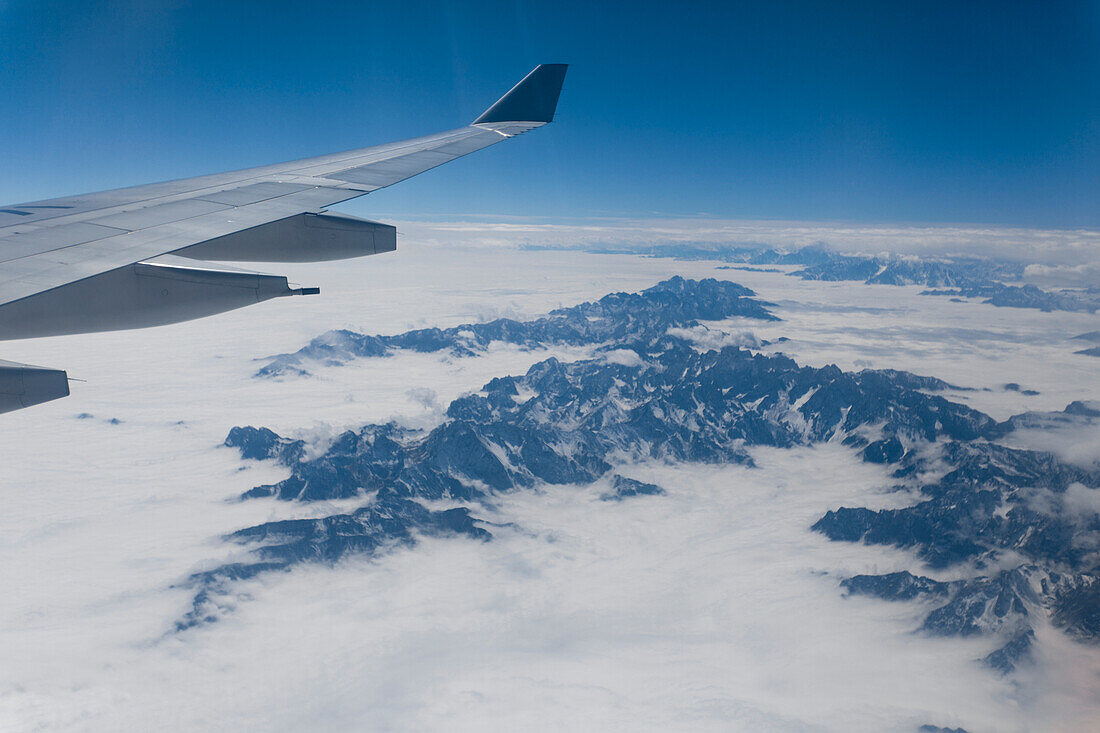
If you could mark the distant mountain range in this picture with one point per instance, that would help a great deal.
(996, 282)
(1004, 515)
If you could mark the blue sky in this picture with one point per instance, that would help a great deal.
(883, 111)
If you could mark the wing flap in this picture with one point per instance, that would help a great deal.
(300, 238)
(154, 293)
(24, 385)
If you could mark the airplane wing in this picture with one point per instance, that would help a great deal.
(141, 256)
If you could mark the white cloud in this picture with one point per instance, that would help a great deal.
(1075, 440)
(1064, 276)
(707, 337)
(710, 605)
(1081, 501)
(1072, 252)
(625, 357)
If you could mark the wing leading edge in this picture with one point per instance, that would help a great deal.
(97, 262)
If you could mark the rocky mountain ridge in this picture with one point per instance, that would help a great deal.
(616, 318)
(1000, 511)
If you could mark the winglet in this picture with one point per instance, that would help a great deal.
(532, 100)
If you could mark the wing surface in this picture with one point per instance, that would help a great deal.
(50, 244)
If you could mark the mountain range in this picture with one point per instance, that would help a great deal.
(1002, 520)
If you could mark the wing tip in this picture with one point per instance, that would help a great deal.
(534, 99)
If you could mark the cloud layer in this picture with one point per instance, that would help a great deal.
(1059, 253)
(708, 608)
(700, 609)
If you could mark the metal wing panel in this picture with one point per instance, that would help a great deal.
(327, 165)
(469, 145)
(379, 172)
(37, 240)
(34, 273)
(391, 170)
(253, 193)
(151, 216)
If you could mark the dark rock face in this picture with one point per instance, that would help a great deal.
(889, 450)
(1081, 408)
(1025, 296)
(999, 510)
(389, 521)
(984, 604)
(900, 586)
(623, 488)
(1077, 607)
(260, 444)
(1015, 652)
(619, 317)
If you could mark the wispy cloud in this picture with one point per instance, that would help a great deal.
(1074, 251)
